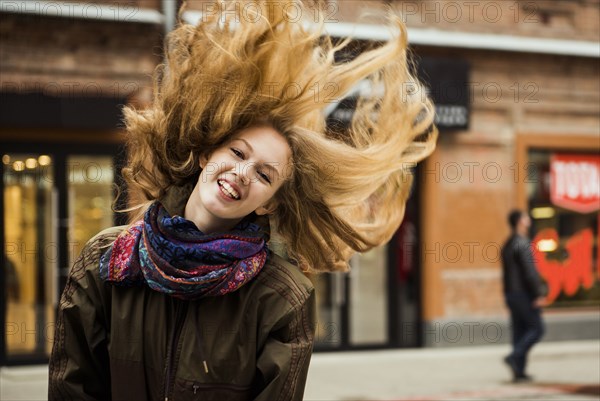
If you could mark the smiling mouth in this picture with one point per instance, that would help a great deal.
(228, 190)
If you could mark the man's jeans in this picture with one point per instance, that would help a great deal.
(527, 327)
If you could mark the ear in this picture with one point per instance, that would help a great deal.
(268, 208)
(203, 161)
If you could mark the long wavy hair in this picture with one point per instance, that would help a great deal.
(348, 189)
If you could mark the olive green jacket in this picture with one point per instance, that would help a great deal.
(137, 344)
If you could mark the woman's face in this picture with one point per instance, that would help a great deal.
(241, 177)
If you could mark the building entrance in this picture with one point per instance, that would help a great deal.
(54, 198)
(376, 304)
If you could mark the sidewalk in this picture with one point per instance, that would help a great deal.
(566, 371)
(562, 371)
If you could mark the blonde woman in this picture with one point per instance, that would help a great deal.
(204, 296)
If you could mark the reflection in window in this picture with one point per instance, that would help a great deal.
(565, 241)
(90, 180)
(368, 304)
(31, 252)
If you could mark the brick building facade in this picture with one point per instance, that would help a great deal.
(533, 89)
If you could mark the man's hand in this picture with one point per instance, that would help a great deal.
(540, 302)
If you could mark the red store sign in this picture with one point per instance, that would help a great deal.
(575, 182)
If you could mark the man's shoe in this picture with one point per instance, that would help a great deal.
(512, 364)
(522, 379)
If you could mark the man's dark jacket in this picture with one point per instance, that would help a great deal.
(519, 272)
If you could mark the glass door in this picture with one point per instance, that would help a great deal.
(52, 204)
(368, 306)
(331, 310)
(405, 280)
(30, 253)
(90, 181)
(376, 304)
(352, 308)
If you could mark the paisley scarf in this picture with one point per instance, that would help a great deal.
(171, 256)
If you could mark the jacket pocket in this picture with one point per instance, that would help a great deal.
(194, 390)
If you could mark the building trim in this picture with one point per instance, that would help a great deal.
(573, 325)
(470, 40)
(455, 39)
(417, 36)
(78, 10)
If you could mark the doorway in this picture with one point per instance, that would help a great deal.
(377, 304)
(55, 197)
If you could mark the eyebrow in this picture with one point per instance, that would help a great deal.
(246, 142)
(267, 165)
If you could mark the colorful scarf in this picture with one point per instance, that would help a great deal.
(170, 255)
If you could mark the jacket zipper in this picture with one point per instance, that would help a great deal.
(231, 387)
(180, 312)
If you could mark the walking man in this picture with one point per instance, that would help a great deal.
(524, 292)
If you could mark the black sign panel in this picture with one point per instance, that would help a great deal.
(37, 110)
(446, 82)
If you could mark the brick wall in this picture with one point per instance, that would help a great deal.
(75, 56)
(560, 19)
(150, 4)
(475, 175)
(118, 56)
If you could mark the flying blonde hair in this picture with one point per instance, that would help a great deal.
(349, 187)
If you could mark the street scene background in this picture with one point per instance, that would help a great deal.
(516, 86)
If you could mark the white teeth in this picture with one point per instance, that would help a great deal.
(229, 189)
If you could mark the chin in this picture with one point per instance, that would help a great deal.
(226, 211)
(223, 213)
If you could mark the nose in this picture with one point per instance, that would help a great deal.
(243, 171)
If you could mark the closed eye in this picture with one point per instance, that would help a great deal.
(238, 153)
(264, 177)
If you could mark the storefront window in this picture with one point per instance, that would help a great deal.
(368, 302)
(331, 303)
(563, 198)
(90, 191)
(52, 205)
(352, 307)
(30, 250)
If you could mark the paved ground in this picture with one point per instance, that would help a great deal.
(565, 371)
(562, 371)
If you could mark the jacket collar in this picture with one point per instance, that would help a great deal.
(176, 197)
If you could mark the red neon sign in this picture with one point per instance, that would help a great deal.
(575, 271)
(575, 182)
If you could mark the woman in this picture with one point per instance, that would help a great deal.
(203, 296)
